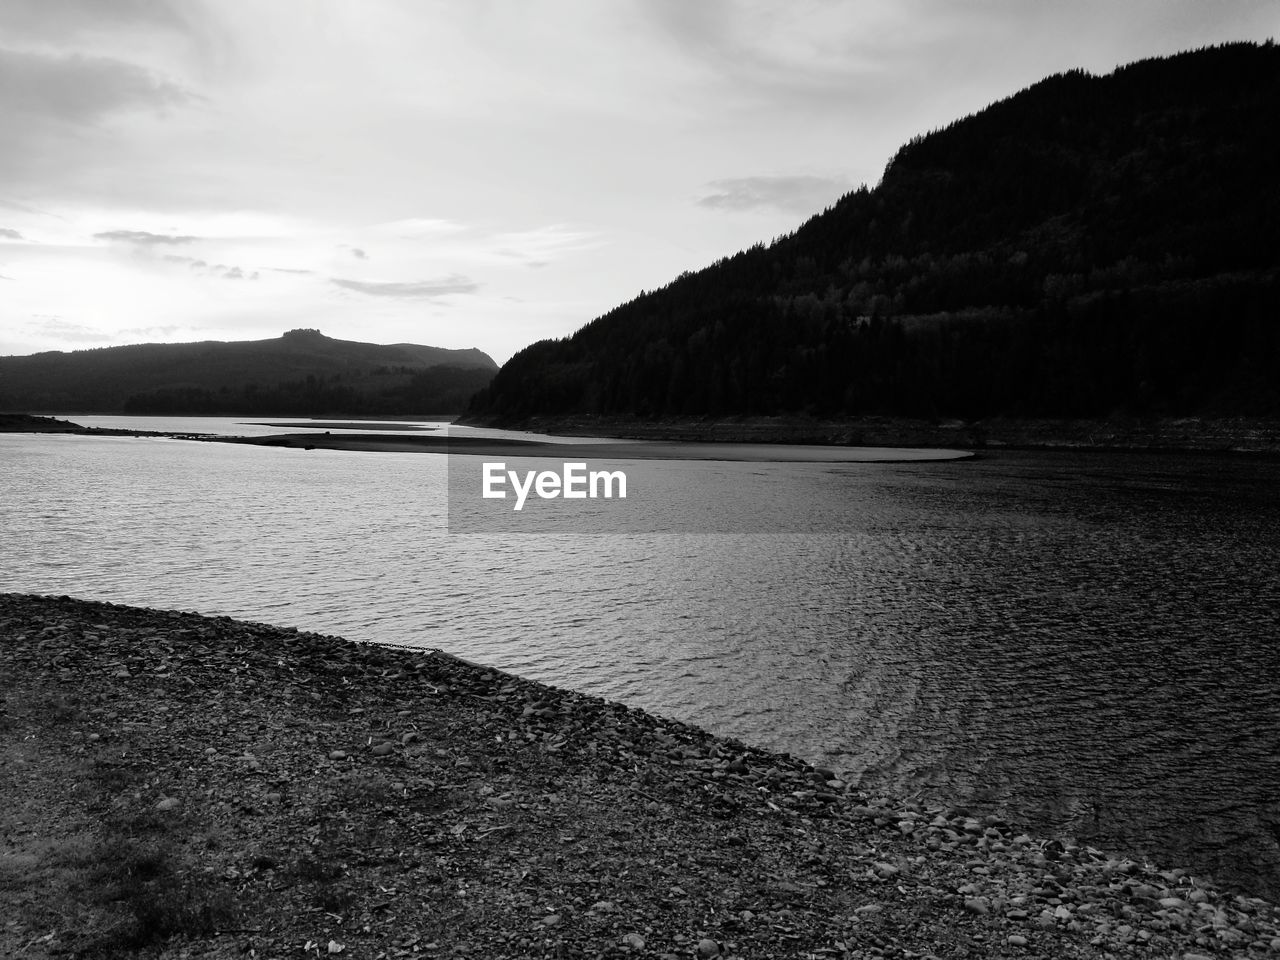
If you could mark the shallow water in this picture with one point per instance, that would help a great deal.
(1086, 643)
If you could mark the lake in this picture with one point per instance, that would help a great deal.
(1086, 643)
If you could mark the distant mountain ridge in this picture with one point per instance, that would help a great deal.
(302, 372)
(1087, 246)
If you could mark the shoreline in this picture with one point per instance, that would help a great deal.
(1234, 435)
(27, 423)
(443, 444)
(1220, 435)
(396, 802)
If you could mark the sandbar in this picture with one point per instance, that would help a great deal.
(608, 450)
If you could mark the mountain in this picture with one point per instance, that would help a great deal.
(301, 373)
(1090, 246)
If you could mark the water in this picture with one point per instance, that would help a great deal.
(1086, 643)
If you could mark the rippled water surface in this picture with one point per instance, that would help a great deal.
(1088, 643)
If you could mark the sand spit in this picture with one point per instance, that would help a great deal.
(605, 450)
(182, 786)
(345, 425)
(410, 442)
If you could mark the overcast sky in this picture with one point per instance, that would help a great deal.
(471, 172)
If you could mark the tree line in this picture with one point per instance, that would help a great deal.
(1087, 246)
(436, 390)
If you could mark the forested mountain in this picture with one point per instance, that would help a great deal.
(1089, 246)
(301, 373)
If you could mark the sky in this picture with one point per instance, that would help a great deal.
(472, 173)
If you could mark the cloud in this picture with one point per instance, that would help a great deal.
(55, 328)
(221, 270)
(288, 270)
(23, 208)
(41, 19)
(76, 89)
(359, 254)
(230, 273)
(792, 194)
(517, 255)
(412, 227)
(798, 55)
(142, 237)
(521, 256)
(10, 234)
(543, 245)
(414, 289)
(164, 331)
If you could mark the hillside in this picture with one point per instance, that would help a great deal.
(1091, 246)
(302, 373)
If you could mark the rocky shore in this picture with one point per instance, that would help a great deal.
(183, 786)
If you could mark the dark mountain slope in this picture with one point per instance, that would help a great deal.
(302, 372)
(1086, 246)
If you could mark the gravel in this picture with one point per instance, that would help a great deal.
(391, 802)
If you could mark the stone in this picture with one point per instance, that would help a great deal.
(978, 905)
(381, 749)
(1017, 940)
(169, 803)
(634, 941)
(708, 948)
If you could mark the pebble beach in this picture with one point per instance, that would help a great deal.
(177, 785)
